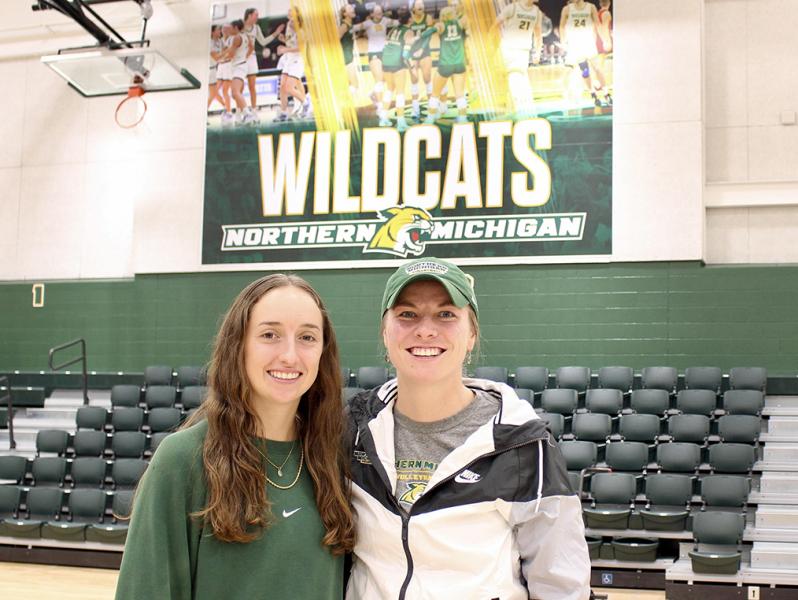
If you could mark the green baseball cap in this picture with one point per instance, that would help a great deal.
(459, 285)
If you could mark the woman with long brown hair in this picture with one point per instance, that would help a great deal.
(249, 500)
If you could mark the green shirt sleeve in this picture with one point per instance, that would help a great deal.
(160, 554)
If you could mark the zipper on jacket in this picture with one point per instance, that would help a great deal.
(406, 515)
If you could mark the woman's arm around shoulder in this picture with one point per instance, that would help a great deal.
(161, 547)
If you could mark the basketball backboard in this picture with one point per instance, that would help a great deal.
(104, 72)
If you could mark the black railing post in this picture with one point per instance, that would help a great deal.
(11, 441)
(81, 358)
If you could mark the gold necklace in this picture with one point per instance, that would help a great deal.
(299, 470)
(280, 467)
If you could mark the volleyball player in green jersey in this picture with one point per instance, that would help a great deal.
(347, 37)
(394, 67)
(420, 55)
(451, 63)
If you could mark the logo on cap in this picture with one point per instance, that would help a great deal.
(426, 267)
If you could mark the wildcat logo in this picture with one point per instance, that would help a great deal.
(414, 491)
(400, 234)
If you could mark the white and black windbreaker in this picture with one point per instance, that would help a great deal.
(498, 519)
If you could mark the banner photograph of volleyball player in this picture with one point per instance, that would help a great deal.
(346, 133)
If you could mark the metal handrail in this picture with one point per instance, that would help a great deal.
(11, 442)
(81, 358)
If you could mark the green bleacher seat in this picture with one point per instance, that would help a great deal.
(650, 402)
(10, 497)
(193, 396)
(371, 377)
(555, 422)
(91, 417)
(499, 374)
(163, 419)
(42, 504)
(190, 376)
(13, 469)
(727, 457)
(659, 378)
(725, 490)
(160, 396)
(88, 442)
(560, 401)
(613, 494)
(128, 444)
(125, 395)
(49, 471)
(126, 472)
(604, 400)
(88, 471)
(533, 378)
(157, 375)
(639, 428)
(127, 418)
(616, 378)
(573, 378)
(579, 454)
(668, 498)
(52, 441)
(739, 428)
(626, 456)
(748, 378)
(688, 428)
(703, 378)
(697, 402)
(114, 532)
(743, 402)
(717, 528)
(592, 426)
(85, 506)
(680, 457)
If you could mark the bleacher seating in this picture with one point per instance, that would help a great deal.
(677, 450)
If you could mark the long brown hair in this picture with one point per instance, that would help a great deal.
(238, 508)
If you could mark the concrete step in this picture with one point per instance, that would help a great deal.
(781, 406)
(34, 425)
(759, 498)
(781, 429)
(50, 413)
(782, 466)
(769, 516)
(780, 452)
(774, 555)
(783, 425)
(61, 398)
(778, 483)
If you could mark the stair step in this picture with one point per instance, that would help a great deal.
(780, 452)
(778, 483)
(770, 498)
(783, 425)
(774, 555)
(769, 516)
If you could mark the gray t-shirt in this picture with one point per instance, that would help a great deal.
(420, 447)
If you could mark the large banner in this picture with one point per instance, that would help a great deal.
(344, 133)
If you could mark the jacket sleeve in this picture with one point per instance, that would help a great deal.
(160, 551)
(550, 533)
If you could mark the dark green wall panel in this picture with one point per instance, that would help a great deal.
(637, 314)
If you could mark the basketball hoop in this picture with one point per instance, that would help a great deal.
(130, 112)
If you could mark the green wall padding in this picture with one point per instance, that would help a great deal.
(635, 314)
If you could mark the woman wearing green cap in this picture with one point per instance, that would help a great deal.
(459, 489)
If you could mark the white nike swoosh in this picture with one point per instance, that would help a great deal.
(287, 513)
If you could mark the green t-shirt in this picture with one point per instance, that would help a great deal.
(452, 43)
(170, 556)
(394, 45)
(347, 44)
